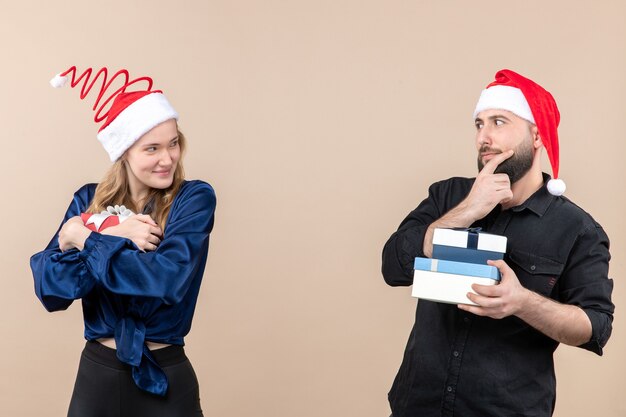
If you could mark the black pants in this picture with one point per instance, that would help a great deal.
(105, 388)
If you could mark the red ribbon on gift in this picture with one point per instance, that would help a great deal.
(110, 220)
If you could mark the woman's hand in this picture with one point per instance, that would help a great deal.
(141, 229)
(73, 234)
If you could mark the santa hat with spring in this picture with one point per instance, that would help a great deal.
(131, 115)
(528, 100)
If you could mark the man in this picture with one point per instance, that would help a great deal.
(496, 358)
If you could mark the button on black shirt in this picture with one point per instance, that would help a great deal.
(459, 364)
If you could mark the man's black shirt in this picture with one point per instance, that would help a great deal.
(460, 364)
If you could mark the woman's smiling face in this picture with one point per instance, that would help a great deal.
(152, 160)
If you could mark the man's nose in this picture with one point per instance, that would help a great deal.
(483, 136)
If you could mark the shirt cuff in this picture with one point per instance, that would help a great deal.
(601, 327)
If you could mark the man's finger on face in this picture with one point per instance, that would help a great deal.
(504, 191)
(501, 185)
(497, 181)
(492, 164)
(506, 199)
(504, 178)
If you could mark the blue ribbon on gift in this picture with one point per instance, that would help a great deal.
(472, 235)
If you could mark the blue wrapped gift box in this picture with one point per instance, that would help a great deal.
(450, 281)
(459, 268)
(467, 245)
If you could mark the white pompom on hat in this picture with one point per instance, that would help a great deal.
(58, 81)
(527, 99)
(131, 115)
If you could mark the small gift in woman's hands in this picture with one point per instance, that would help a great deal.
(113, 216)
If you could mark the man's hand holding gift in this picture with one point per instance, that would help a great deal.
(507, 298)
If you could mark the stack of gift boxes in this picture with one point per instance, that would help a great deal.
(459, 260)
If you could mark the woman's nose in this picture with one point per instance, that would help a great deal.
(166, 158)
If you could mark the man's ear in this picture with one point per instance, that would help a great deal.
(537, 143)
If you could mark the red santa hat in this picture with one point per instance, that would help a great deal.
(130, 116)
(528, 100)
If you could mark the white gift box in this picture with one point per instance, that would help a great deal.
(449, 281)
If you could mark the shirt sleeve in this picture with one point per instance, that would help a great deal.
(408, 241)
(61, 277)
(166, 273)
(119, 266)
(585, 283)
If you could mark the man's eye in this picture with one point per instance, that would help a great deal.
(478, 126)
(499, 122)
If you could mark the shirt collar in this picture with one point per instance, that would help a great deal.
(539, 202)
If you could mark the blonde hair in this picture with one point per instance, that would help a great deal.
(114, 189)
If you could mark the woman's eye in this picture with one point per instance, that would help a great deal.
(151, 149)
(174, 144)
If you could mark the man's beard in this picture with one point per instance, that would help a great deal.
(517, 165)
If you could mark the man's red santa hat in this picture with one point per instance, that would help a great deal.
(131, 115)
(528, 100)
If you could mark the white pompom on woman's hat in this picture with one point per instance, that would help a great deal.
(58, 81)
(527, 99)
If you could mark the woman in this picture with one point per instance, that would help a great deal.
(139, 279)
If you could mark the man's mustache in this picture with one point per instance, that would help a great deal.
(486, 148)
